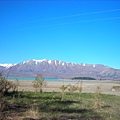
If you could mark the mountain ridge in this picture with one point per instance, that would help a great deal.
(60, 69)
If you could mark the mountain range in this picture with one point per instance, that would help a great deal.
(59, 69)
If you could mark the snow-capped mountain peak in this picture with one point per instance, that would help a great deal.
(50, 62)
(39, 61)
(35, 61)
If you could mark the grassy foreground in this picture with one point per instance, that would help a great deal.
(50, 106)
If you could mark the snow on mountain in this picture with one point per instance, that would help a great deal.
(58, 63)
(93, 65)
(52, 62)
(37, 61)
(7, 65)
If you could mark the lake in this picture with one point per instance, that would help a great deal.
(65, 81)
(26, 78)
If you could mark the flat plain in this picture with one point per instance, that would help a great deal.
(88, 86)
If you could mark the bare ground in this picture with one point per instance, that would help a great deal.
(88, 86)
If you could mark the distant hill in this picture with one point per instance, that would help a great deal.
(59, 69)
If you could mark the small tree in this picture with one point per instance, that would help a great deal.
(39, 83)
(63, 88)
(80, 87)
(97, 98)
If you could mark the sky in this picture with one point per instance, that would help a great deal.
(67, 30)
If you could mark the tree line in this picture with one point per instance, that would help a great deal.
(83, 78)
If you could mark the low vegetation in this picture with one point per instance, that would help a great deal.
(49, 106)
(69, 104)
(117, 88)
(6, 85)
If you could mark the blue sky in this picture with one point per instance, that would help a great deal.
(71, 31)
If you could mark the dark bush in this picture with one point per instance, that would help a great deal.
(6, 85)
